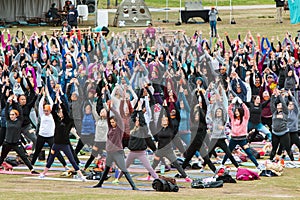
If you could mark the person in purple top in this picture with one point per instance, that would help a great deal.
(114, 147)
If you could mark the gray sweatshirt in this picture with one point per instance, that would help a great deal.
(213, 15)
(279, 119)
(293, 117)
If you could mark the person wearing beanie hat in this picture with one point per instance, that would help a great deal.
(12, 141)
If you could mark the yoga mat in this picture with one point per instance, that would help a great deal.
(56, 179)
(113, 187)
(56, 164)
(247, 164)
(40, 168)
(22, 173)
(126, 183)
(138, 170)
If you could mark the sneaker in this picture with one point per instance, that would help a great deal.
(260, 167)
(82, 178)
(178, 176)
(42, 175)
(116, 181)
(34, 172)
(290, 165)
(189, 180)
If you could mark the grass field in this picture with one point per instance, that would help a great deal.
(16, 187)
(260, 21)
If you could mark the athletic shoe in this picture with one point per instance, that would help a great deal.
(82, 178)
(261, 167)
(42, 175)
(34, 172)
(116, 181)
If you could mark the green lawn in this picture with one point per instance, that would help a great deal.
(176, 3)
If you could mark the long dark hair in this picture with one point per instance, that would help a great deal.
(242, 113)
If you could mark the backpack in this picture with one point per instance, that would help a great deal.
(165, 184)
(226, 178)
(206, 183)
(96, 175)
(12, 161)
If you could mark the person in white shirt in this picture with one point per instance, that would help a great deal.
(46, 129)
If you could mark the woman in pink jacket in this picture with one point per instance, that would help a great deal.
(239, 116)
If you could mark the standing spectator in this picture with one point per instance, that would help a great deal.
(150, 33)
(72, 16)
(213, 21)
(279, 10)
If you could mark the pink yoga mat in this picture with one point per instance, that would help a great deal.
(22, 173)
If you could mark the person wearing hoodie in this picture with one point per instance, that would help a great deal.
(293, 112)
(280, 127)
(218, 137)
(239, 116)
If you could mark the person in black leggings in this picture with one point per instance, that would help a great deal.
(63, 125)
(12, 141)
(280, 127)
(292, 123)
(46, 130)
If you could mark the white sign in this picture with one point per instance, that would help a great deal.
(102, 17)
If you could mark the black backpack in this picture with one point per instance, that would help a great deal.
(95, 175)
(164, 186)
(199, 183)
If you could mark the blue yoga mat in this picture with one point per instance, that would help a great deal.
(119, 188)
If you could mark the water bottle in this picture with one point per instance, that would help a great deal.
(162, 169)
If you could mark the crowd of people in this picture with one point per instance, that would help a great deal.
(145, 91)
